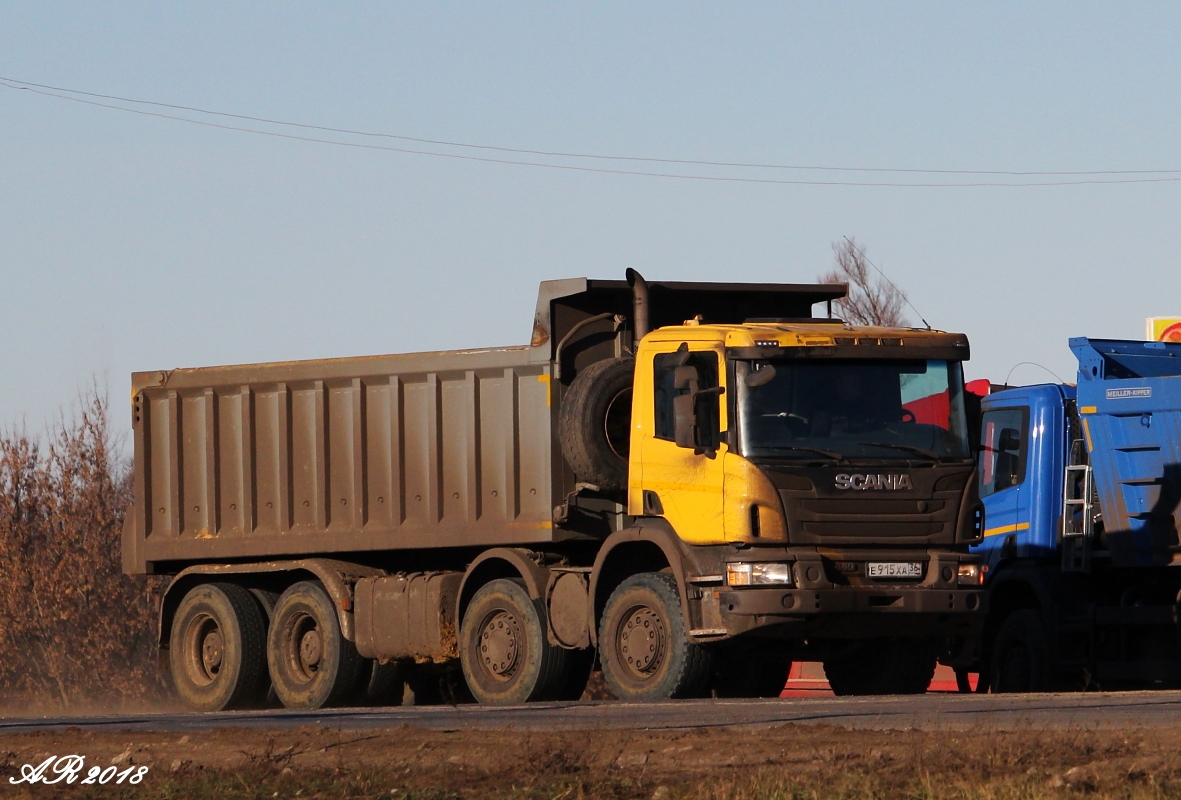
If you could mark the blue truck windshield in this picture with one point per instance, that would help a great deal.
(852, 409)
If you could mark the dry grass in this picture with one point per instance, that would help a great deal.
(797, 762)
(74, 631)
(791, 762)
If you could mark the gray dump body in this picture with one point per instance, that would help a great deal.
(343, 455)
(385, 453)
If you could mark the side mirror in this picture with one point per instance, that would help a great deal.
(685, 420)
(1009, 441)
(686, 378)
(688, 426)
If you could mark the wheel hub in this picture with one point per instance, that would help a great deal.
(642, 640)
(499, 644)
(310, 650)
(211, 652)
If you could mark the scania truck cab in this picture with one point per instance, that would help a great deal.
(829, 467)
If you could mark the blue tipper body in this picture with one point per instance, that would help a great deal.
(1128, 400)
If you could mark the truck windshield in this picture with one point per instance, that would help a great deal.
(846, 409)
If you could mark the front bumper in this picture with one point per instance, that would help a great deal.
(884, 600)
(850, 612)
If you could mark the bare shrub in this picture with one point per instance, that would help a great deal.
(872, 300)
(73, 629)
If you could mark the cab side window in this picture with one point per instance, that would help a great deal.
(664, 366)
(1004, 449)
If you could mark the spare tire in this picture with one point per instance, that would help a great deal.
(594, 424)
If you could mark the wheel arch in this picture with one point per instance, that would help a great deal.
(1014, 590)
(650, 546)
(338, 578)
(502, 562)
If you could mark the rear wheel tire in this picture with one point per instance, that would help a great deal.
(266, 600)
(312, 665)
(579, 664)
(1020, 655)
(505, 654)
(963, 682)
(380, 684)
(883, 666)
(644, 649)
(217, 649)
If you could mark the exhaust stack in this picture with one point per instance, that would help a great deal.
(639, 286)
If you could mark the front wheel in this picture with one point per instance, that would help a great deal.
(644, 649)
(1020, 656)
(883, 666)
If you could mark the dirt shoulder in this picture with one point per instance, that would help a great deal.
(788, 761)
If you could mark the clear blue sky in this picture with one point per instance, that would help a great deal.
(129, 242)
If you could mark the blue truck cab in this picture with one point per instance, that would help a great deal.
(1020, 466)
(1081, 487)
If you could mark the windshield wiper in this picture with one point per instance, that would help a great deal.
(829, 453)
(931, 454)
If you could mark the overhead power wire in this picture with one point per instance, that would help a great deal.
(62, 93)
(1031, 364)
(563, 154)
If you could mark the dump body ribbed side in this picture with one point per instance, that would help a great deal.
(342, 455)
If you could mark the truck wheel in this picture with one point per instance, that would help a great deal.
(312, 665)
(745, 672)
(579, 664)
(503, 649)
(266, 600)
(1020, 657)
(883, 666)
(644, 649)
(594, 424)
(217, 648)
(434, 685)
(380, 684)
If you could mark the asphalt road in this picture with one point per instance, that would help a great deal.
(931, 711)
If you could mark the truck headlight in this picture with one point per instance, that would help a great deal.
(740, 573)
(972, 574)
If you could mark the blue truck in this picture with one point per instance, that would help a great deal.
(1081, 486)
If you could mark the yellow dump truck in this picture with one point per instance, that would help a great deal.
(687, 484)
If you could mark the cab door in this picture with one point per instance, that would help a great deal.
(1003, 473)
(682, 484)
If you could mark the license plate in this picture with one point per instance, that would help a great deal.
(898, 569)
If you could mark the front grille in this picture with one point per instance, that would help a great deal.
(869, 530)
(820, 512)
(847, 507)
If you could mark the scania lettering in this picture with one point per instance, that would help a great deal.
(891, 483)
